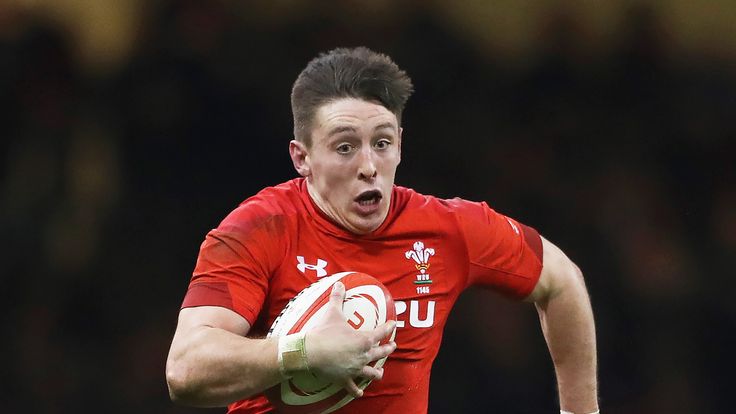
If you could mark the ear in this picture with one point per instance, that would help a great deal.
(299, 154)
(401, 133)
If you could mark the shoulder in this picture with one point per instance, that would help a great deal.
(447, 215)
(270, 206)
(408, 198)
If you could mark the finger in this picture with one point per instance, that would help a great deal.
(381, 351)
(383, 331)
(353, 389)
(370, 372)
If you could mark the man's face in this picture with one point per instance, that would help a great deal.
(351, 164)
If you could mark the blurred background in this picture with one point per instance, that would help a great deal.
(130, 128)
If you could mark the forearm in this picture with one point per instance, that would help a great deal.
(568, 326)
(213, 367)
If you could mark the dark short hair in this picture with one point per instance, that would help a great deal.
(347, 73)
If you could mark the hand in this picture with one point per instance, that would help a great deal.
(337, 352)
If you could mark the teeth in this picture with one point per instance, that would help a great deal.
(368, 198)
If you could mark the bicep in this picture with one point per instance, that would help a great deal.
(195, 318)
(558, 271)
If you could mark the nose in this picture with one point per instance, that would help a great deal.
(367, 167)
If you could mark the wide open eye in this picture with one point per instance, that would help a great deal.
(344, 148)
(382, 144)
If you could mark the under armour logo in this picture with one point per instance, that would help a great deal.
(319, 267)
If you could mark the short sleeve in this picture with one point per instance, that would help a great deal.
(504, 255)
(234, 266)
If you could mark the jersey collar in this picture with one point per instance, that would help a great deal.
(328, 225)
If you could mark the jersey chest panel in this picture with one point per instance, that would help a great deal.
(423, 272)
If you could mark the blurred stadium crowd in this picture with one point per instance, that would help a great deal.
(109, 180)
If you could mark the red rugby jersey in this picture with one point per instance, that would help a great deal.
(427, 251)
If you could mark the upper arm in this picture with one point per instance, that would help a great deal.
(213, 317)
(558, 272)
(235, 264)
(199, 333)
(192, 320)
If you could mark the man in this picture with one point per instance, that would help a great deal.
(345, 213)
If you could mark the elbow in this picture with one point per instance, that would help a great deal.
(180, 385)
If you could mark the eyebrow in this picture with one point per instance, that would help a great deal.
(341, 129)
(347, 128)
(384, 125)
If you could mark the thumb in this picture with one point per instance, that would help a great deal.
(337, 296)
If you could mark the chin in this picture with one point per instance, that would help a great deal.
(361, 224)
(365, 228)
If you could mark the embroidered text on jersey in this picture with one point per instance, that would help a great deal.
(319, 267)
(415, 313)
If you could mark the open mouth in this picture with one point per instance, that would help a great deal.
(368, 198)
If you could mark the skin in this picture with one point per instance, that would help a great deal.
(212, 364)
(356, 148)
(567, 322)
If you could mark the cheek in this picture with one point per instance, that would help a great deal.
(332, 177)
(389, 166)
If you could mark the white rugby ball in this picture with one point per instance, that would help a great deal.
(367, 304)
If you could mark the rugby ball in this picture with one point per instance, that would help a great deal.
(367, 304)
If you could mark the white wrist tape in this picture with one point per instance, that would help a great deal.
(569, 412)
(292, 355)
